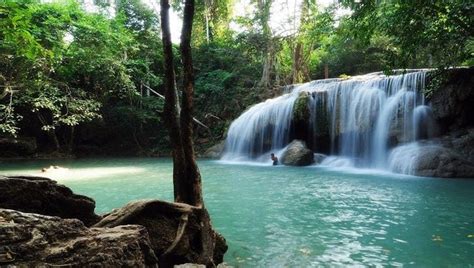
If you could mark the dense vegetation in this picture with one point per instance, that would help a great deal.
(78, 82)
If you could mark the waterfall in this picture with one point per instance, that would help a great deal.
(262, 128)
(360, 118)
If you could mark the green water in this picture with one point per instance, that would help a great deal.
(299, 217)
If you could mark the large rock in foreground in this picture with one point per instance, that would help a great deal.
(297, 154)
(430, 160)
(32, 240)
(44, 196)
(178, 232)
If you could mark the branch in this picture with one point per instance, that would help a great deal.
(163, 97)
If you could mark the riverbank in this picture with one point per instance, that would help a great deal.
(45, 223)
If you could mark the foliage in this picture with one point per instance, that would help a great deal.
(72, 63)
(225, 77)
(64, 71)
(433, 33)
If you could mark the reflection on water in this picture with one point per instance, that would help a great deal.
(64, 174)
(300, 217)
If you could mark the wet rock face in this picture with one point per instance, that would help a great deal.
(297, 154)
(300, 118)
(31, 240)
(436, 161)
(452, 102)
(45, 196)
(301, 110)
(319, 158)
(429, 159)
(462, 142)
(215, 151)
(164, 222)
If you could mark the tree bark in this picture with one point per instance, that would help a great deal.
(297, 72)
(186, 176)
(70, 144)
(300, 63)
(171, 109)
(191, 193)
(268, 65)
(263, 14)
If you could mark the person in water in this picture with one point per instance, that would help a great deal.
(274, 159)
(52, 168)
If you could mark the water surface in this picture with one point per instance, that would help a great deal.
(298, 217)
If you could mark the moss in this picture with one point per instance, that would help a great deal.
(435, 80)
(301, 107)
(344, 76)
(322, 120)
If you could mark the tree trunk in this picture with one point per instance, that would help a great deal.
(300, 63)
(264, 7)
(71, 139)
(171, 109)
(268, 66)
(54, 137)
(186, 176)
(191, 193)
(297, 70)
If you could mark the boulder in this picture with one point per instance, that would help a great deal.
(45, 196)
(301, 110)
(319, 158)
(430, 160)
(33, 240)
(215, 151)
(177, 231)
(436, 161)
(297, 154)
(461, 141)
(10, 147)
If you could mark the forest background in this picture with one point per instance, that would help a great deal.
(75, 82)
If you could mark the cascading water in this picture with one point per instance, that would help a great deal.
(360, 118)
(263, 127)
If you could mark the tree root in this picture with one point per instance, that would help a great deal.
(179, 234)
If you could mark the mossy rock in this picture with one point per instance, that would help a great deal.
(301, 110)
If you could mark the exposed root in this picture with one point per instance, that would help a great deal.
(179, 234)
